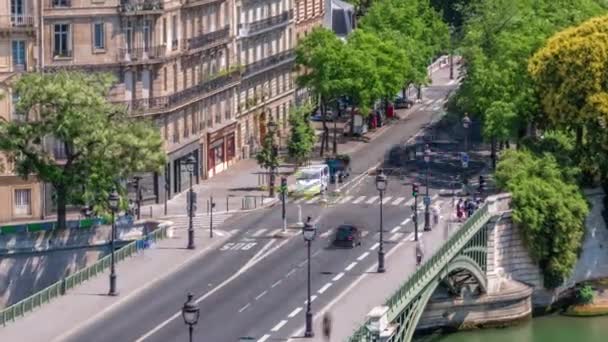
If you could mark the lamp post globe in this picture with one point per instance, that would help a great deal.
(466, 121)
(190, 162)
(113, 200)
(190, 314)
(309, 233)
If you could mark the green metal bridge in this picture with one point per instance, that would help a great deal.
(462, 259)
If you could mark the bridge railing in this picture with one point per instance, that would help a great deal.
(60, 287)
(429, 270)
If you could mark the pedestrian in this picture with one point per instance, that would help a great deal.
(459, 210)
(327, 326)
(419, 253)
(435, 212)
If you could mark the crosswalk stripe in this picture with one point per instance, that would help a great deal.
(409, 202)
(259, 232)
(220, 233)
(371, 200)
(406, 221)
(398, 200)
(395, 229)
(364, 233)
(346, 199)
(275, 232)
(429, 101)
(326, 234)
(386, 199)
(312, 200)
(361, 198)
(395, 236)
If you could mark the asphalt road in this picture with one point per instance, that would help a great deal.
(259, 288)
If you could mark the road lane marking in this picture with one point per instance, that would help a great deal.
(451, 82)
(312, 299)
(220, 233)
(371, 200)
(406, 221)
(290, 273)
(244, 307)
(409, 202)
(302, 263)
(264, 338)
(429, 101)
(325, 287)
(299, 200)
(386, 199)
(275, 232)
(395, 236)
(398, 200)
(363, 256)
(395, 229)
(315, 253)
(259, 232)
(295, 312)
(346, 199)
(279, 325)
(374, 246)
(326, 234)
(338, 276)
(312, 200)
(261, 295)
(276, 284)
(351, 266)
(359, 199)
(364, 233)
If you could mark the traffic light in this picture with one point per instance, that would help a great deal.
(414, 189)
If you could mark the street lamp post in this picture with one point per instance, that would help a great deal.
(466, 122)
(190, 313)
(272, 129)
(190, 162)
(283, 202)
(381, 186)
(427, 214)
(309, 232)
(113, 200)
(138, 198)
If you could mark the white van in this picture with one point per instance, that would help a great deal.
(312, 180)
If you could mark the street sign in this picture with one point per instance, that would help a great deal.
(427, 200)
(465, 160)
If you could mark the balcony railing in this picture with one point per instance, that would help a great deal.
(269, 62)
(62, 54)
(16, 21)
(169, 101)
(207, 38)
(141, 53)
(60, 3)
(141, 6)
(257, 26)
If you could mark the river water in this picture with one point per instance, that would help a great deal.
(553, 328)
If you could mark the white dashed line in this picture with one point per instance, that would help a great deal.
(395, 237)
(259, 232)
(405, 221)
(279, 325)
(295, 312)
(264, 338)
(290, 273)
(244, 307)
(409, 202)
(395, 229)
(363, 256)
(326, 234)
(451, 82)
(338, 276)
(351, 266)
(346, 199)
(324, 288)
(374, 246)
(261, 295)
(372, 200)
(312, 299)
(277, 283)
(386, 199)
(361, 198)
(398, 200)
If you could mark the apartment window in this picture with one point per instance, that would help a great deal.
(174, 32)
(218, 113)
(99, 36)
(17, 12)
(186, 130)
(147, 35)
(129, 36)
(165, 78)
(15, 114)
(18, 47)
(62, 46)
(59, 150)
(22, 205)
(165, 31)
(62, 3)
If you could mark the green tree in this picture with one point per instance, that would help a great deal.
(550, 211)
(302, 137)
(321, 55)
(102, 144)
(499, 122)
(268, 157)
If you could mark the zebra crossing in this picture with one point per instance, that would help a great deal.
(363, 200)
(199, 221)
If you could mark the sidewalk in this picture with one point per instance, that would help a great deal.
(89, 300)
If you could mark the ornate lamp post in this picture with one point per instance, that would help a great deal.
(309, 232)
(190, 162)
(272, 130)
(427, 199)
(190, 313)
(466, 122)
(113, 201)
(381, 183)
(138, 197)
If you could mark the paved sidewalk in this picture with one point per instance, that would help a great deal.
(89, 300)
(371, 289)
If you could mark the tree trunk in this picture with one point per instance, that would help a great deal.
(493, 153)
(61, 193)
(325, 137)
(419, 92)
(579, 138)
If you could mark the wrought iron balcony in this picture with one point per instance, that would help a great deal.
(135, 7)
(250, 29)
(16, 21)
(150, 53)
(160, 103)
(268, 62)
(207, 38)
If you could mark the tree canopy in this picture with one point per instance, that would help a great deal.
(74, 139)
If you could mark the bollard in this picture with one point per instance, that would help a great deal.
(227, 209)
(300, 223)
(151, 212)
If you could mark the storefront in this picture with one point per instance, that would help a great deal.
(221, 152)
(176, 172)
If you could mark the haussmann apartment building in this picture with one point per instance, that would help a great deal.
(210, 74)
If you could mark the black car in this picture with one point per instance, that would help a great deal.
(400, 102)
(347, 236)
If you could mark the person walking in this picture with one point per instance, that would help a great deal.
(327, 326)
(435, 212)
(459, 210)
(419, 253)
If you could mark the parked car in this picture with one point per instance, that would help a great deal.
(330, 116)
(347, 236)
(339, 168)
(400, 102)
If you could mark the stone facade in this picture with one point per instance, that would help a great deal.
(209, 73)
